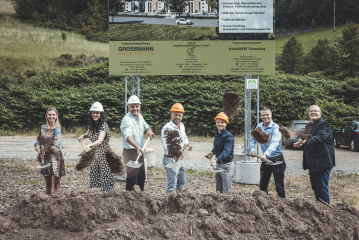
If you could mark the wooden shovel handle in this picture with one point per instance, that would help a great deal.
(83, 145)
(260, 158)
(144, 146)
(180, 158)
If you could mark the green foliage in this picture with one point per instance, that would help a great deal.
(64, 36)
(176, 5)
(322, 56)
(292, 55)
(348, 46)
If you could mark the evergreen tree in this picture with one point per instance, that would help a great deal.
(348, 45)
(176, 5)
(322, 56)
(292, 55)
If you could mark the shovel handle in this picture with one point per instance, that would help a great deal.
(261, 158)
(186, 149)
(144, 146)
(83, 145)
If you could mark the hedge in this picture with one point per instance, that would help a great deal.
(73, 91)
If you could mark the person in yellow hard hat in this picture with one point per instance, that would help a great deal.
(174, 141)
(223, 150)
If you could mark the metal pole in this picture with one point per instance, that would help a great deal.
(125, 95)
(133, 87)
(249, 124)
(257, 112)
(334, 16)
(138, 86)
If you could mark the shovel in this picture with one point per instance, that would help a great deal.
(178, 162)
(269, 162)
(136, 164)
(43, 165)
(215, 168)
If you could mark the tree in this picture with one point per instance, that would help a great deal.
(176, 5)
(135, 7)
(116, 5)
(292, 55)
(213, 4)
(322, 56)
(348, 45)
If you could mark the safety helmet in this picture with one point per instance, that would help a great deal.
(222, 116)
(177, 107)
(133, 99)
(96, 107)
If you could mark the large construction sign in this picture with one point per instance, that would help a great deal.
(148, 43)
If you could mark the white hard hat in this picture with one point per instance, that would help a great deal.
(133, 99)
(96, 107)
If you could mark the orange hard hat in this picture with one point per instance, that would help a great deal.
(222, 116)
(177, 107)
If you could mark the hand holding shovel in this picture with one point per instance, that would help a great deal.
(267, 161)
(177, 163)
(215, 168)
(136, 164)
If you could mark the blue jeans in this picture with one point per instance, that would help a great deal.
(319, 181)
(175, 176)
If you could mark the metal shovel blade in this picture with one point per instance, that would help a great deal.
(43, 166)
(274, 163)
(134, 164)
(216, 170)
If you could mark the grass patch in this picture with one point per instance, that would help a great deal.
(309, 39)
(158, 32)
(24, 46)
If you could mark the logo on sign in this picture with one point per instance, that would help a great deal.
(251, 83)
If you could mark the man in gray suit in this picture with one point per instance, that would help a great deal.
(318, 154)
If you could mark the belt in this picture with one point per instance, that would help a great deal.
(222, 162)
(276, 158)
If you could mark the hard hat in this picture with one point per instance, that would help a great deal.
(177, 107)
(133, 99)
(96, 107)
(222, 116)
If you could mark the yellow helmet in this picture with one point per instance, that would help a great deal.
(222, 116)
(177, 107)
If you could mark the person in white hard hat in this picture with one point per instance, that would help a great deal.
(99, 134)
(133, 127)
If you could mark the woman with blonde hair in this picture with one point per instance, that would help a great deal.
(49, 141)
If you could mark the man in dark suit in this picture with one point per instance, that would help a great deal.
(318, 154)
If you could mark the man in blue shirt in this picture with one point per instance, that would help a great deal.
(223, 149)
(271, 151)
(133, 126)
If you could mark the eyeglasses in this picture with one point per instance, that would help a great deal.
(314, 111)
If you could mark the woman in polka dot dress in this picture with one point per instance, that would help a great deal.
(99, 134)
(56, 167)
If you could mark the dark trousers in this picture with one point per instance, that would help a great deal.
(135, 176)
(278, 174)
(319, 181)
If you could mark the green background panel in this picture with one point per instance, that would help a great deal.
(192, 57)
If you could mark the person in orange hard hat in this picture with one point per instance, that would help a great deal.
(223, 150)
(174, 141)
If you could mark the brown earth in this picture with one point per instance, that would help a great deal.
(230, 104)
(185, 214)
(260, 136)
(285, 132)
(173, 141)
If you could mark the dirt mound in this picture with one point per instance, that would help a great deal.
(230, 104)
(183, 214)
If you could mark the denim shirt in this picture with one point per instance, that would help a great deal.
(273, 148)
(134, 127)
(223, 146)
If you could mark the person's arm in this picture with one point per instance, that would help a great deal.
(148, 130)
(133, 144)
(185, 140)
(274, 142)
(228, 145)
(164, 141)
(252, 145)
(37, 144)
(99, 141)
(323, 133)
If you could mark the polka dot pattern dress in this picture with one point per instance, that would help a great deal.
(100, 174)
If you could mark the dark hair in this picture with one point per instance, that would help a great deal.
(91, 122)
(266, 109)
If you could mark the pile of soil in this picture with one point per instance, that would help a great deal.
(173, 141)
(185, 214)
(285, 132)
(260, 136)
(230, 104)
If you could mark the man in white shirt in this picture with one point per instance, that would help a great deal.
(133, 127)
(174, 141)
